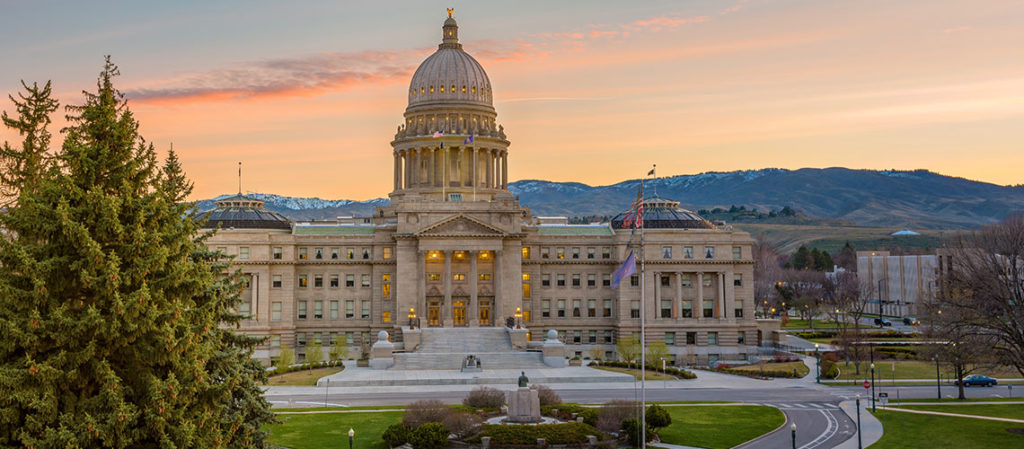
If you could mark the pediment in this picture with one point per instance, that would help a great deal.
(434, 291)
(460, 226)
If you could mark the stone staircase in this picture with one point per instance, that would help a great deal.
(445, 349)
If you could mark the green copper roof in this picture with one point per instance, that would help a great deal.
(575, 230)
(334, 230)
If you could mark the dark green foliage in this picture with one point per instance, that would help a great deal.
(677, 372)
(396, 435)
(431, 435)
(565, 412)
(829, 370)
(22, 168)
(631, 426)
(307, 366)
(569, 433)
(657, 417)
(485, 397)
(117, 321)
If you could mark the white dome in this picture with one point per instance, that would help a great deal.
(450, 75)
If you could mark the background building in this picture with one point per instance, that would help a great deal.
(901, 284)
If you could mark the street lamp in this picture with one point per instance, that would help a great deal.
(938, 385)
(792, 429)
(860, 445)
(412, 317)
(817, 364)
(872, 388)
(351, 436)
(519, 317)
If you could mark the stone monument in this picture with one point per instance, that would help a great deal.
(523, 403)
(382, 353)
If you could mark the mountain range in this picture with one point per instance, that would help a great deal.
(914, 199)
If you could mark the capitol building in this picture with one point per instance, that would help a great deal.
(455, 249)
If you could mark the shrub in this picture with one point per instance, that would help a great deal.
(431, 435)
(611, 415)
(425, 411)
(829, 370)
(547, 395)
(631, 426)
(396, 435)
(677, 372)
(657, 417)
(570, 433)
(461, 424)
(285, 358)
(485, 397)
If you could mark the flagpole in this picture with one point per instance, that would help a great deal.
(643, 321)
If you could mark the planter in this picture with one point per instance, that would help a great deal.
(363, 363)
(575, 362)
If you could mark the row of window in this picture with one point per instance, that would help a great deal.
(575, 252)
(302, 311)
(322, 338)
(334, 281)
(451, 89)
(607, 337)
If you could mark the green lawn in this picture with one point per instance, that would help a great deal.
(805, 324)
(912, 431)
(720, 426)
(330, 430)
(909, 369)
(302, 377)
(1012, 411)
(649, 375)
(801, 369)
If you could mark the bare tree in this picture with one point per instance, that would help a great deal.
(801, 290)
(845, 297)
(767, 273)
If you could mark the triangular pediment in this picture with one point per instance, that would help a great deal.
(460, 226)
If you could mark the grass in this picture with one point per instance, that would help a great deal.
(1012, 411)
(330, 430)
(910, 369)
(805, 324)
(801, 369)
(719, 427)
(911, 431)
(650, 375)
(301, 378)
(959, 401)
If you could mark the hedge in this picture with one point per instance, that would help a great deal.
(273, 371)
(677, 372)
(569, 433)
(565, 412)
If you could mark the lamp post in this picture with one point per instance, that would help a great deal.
(817, 364)
(351, 436)
(872, 388)
(938, 385)
(412, 317)
(860, 445)
(792, 430)
(519, 317)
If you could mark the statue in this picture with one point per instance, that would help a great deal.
(523, 380)
(450, 11)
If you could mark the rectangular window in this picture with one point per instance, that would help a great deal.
(333, 337)
(738, 308)
(526, 286)
(485, 276)
(666, 252)
(575, 252)
(318, 253)
(433, 276)
(275, 311)
(691, 338)
(591, 308)
(334, 281)
(577, 337)
(526, 252)
(607, 336)
(318, 310)
(544, 252)
(607, 308)
(350, 309)
(687, 252)
(560, 280)
(670, 340)
(606, 280)
(302, 253)
(545, 280)
(666, 281)
(385, 317)
(592, 337)
(300, 339)
(335, 253)
(527, 313)
(545, 308)
(366, 254)
(349, 338)
(737, 253)
(707, 281)
(301, 310)
(576, 312)
(741, 337)
(666, 308)
(458, 276)
(576, 280)
(318, 280)
(634, 281)
(709, 309)
(737, 280)
(590, 252)
(277, 253)
(560, 253)
(561, 308)
(276, 281)
(365, 280)
(385, 286)
(350, 280)
(366, 310)
(386, 252)
(709, 252)
(687, 280)
(318, 338)
(606, 253)
(687, 311)
(334, 310)
(275, 341)
(712, 338)
(303, 281)
(634, 309)
(591, 280)
(243, 252)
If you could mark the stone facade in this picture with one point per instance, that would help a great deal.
(455, 248)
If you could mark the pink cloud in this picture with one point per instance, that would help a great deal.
(956, 29)
(657, 23)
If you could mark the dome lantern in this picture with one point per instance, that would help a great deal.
(450, 32)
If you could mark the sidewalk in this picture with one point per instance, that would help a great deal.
(871, 427)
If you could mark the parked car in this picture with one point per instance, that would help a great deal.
(882, 322)
(911, 321)
(977, 380)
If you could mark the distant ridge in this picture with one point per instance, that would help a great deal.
(902, 199)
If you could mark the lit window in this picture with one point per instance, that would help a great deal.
(458, 276)
(431, 89)
(463, 89)
(302, 253)
(473, 89)
(385, 289)
(485, 276)
(302, 281)
(560, 253)
(442, 88)
(387, 252)
(385, 317)
(526, 252)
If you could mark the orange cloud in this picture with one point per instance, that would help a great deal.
(657, 23)
(956, 29)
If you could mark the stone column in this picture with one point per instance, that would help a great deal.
(496, 310)
(489, 169)
(398, 171)
(447, 307)
(420, 300)
(677, 304)
(408, 173)
(457, 158)
(657, 295)
(730, 294)
(431, 168)
(700, 297)
(472, 168)
(504, 170)
(474, 317)
(721, 296)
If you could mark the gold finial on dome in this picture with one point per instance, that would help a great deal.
(450, 11)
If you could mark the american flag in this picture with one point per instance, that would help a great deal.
(438, 134)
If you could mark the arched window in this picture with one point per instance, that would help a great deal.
(421, 91)
(463, 88)
(431, 89)
(453, 88)
(442, 88)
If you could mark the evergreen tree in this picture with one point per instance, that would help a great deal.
(21, 168)
(112, 308)
(801, 259)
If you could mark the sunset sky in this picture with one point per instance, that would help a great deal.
(308, 94)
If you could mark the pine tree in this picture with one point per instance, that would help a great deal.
(111, 306)
(21, 168)
(801, 258)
